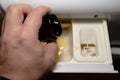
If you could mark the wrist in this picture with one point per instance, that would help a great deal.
(17, 76)
(12, 74)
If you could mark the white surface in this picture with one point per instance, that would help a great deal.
(99, 38)
(73, 8)
(84, 68)
(80, 64)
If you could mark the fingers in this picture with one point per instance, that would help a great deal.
(34, 20)
(51, 51)
(14, 18)
(15, 13)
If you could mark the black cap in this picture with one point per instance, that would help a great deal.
(50, 29)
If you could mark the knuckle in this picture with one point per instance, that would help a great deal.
(41, 10)
(36, 12)
(23, 38)
(12, 9)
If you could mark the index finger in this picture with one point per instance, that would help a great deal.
(33, 21)
(15, 13)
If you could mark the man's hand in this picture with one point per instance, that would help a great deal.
(22, 57)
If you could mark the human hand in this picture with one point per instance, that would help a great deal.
(22, 56)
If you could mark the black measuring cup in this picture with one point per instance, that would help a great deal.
(50, 29)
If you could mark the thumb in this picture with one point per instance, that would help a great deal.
(50, 52)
